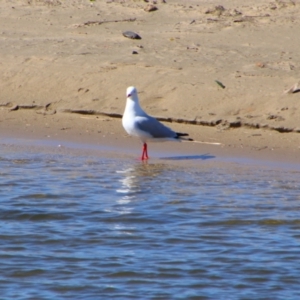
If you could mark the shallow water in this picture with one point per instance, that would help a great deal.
(81, 226)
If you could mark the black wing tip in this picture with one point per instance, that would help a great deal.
(179, 135)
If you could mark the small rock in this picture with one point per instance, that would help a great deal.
(294, 89)
(260, 65)
(217, 10)
(150, 8)
(134, 52)
(131, 35)
(275, 117)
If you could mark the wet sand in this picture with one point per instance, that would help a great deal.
(107, 136)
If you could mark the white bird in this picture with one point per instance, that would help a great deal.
(139, 124)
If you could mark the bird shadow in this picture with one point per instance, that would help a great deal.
(190, 157)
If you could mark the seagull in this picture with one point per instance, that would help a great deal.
(139, 124)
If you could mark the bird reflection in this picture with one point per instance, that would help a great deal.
(136, 182)
(136, 179)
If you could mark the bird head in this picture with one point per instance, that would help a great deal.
(131, 92)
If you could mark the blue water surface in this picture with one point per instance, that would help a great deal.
(82, 226)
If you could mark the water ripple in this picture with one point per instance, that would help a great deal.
(88, 228)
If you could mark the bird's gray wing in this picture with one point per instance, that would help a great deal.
(154, 128)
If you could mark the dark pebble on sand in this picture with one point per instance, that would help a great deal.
(131, 35)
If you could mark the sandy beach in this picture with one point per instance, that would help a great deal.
(226, 72)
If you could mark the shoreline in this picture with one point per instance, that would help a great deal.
(106, 135)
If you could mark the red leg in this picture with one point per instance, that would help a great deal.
(146, 146)
(145, 152)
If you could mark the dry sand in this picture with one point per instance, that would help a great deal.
(59, 57)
